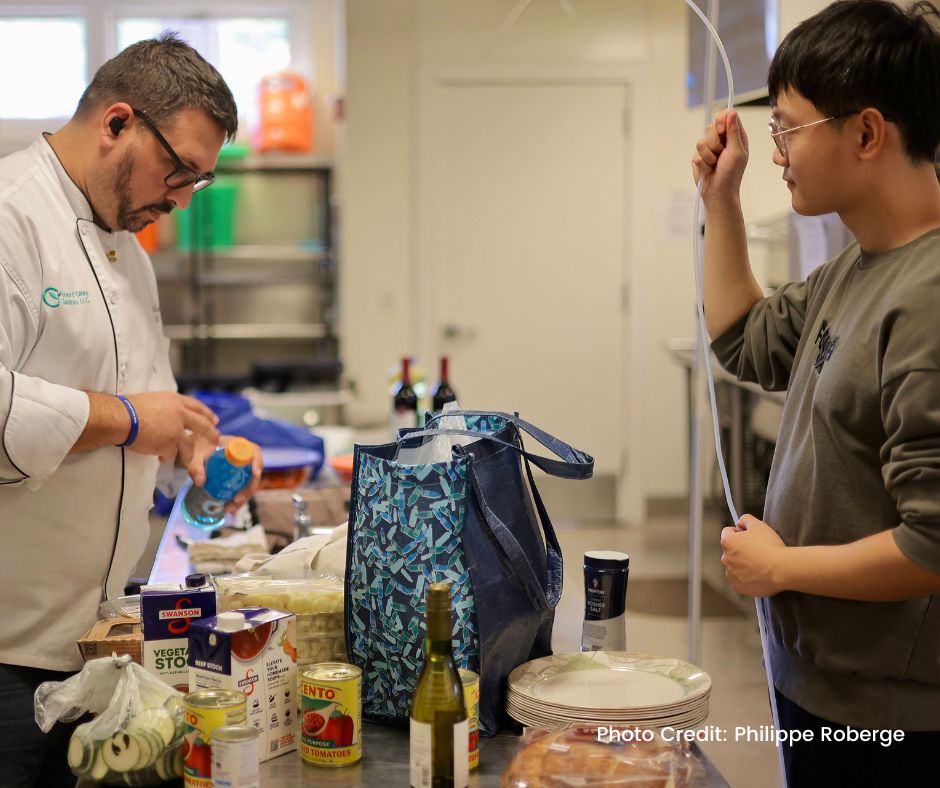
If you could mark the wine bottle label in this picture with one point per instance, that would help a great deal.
(420, 741)
(461, 754)
(420, 738)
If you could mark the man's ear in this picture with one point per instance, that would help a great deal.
(871, 130)
(114, 120)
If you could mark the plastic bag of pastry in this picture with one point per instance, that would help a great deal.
(596, 756)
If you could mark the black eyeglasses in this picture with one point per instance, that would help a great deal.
(182, 176)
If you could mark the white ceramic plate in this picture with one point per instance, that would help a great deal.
(687, 720)
(619, 680)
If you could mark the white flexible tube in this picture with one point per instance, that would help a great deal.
(698, 256)
(703, 344)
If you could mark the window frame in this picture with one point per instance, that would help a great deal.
(101, 19)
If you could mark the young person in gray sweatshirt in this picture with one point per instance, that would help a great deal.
(846, 557)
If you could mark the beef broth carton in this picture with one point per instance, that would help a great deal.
(252, 650)
(166, 614)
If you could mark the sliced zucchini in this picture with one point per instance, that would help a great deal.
(82, 750)
(146, 745)
(158, 720)
(121, 752)
(99, 769)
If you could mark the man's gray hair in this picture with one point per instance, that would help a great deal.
(162, 76)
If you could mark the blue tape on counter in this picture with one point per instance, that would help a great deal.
(135, 422)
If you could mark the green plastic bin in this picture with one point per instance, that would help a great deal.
(209, 221)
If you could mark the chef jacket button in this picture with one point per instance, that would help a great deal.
(113, 296)
(154, 366)
(123, 370)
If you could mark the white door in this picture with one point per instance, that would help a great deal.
(521, 229)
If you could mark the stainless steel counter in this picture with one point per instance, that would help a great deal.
(385, 763)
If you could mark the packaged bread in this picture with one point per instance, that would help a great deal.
(586, 755)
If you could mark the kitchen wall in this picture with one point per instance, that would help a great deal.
(388, 47)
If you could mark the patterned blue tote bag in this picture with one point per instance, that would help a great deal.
(475, 520)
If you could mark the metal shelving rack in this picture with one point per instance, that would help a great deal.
(204, 272)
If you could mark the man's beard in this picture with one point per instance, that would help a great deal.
(128, 218)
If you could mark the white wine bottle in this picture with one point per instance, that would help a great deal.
(439, 736)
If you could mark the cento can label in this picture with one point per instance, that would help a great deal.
(204, 711)
(235, 757)
(331, 714)
(471, 698)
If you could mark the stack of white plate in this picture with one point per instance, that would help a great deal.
(608, 687)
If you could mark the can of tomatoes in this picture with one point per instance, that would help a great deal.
(204, 711)
(331, 714)
(471, 697)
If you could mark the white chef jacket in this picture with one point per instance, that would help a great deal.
(72, 527)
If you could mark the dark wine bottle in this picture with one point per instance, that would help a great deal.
(404, 400)
(443, 393)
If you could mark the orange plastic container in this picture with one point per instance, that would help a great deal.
(286, 117)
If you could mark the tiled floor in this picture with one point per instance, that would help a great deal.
(730, 645)
(731, 651)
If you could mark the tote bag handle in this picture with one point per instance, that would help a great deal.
(574, 463)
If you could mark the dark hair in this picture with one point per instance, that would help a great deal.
(161, 76)
(868, 53)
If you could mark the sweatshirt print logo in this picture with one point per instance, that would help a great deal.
(826, 343)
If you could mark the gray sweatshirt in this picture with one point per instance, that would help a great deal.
(857, 348)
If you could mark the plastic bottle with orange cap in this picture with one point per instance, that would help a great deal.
(228, 469)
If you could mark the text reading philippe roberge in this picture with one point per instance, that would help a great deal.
(751, 734)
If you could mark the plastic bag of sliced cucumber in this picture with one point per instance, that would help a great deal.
(136, 737)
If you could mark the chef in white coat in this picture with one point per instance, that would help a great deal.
(88, 403)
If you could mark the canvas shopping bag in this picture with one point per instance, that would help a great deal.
(477, 522)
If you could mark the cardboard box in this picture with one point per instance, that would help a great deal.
(167, 614)
(259, 659)
(114, 635)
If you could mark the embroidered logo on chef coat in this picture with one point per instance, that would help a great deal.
(54, 298)
(826, 343)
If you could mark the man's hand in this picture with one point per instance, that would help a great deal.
(721, 156)
(196, 451)
(750, 554)
(169, 422)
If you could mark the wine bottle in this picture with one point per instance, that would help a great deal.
(443, 393)
(404, 400)
(439, 739)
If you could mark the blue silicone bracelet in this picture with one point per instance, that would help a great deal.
(135, 423)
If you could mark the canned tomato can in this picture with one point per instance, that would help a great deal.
(471, 697)
(235, 757)
(204, 711)
(331, 714)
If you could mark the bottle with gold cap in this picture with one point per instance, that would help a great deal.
(228, 469)
(438, 715)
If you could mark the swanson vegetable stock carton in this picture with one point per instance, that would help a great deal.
(166, 613)
(253, 650)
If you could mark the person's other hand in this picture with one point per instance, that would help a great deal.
(750, 552)
(721, 156)
(194, 454)
(168, 421)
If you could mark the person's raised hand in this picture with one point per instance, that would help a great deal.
(721, 156)
(169, 422)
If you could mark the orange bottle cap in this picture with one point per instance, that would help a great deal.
(239, 451)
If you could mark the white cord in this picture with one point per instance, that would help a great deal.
(698, 255)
